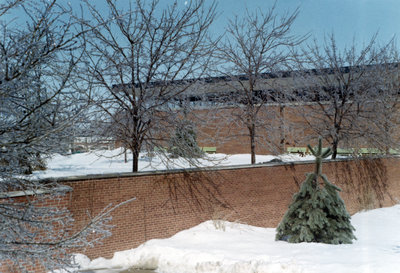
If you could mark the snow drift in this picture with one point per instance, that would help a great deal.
(241, 249)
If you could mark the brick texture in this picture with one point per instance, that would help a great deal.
(170, 202)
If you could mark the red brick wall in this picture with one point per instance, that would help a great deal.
(278, 128)
(169, 202)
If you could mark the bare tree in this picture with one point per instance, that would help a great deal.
(140, 59)
(383, 110)
(339, 91)
(256, 49)
(39, 54)
(8, 5)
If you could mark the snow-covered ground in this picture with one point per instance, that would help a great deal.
(101, 162)
(243, 248)
(238, 247)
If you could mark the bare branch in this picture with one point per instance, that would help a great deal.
(257, 48)
(141, 58)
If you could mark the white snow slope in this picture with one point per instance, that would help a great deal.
(242, 248)
(103, 162)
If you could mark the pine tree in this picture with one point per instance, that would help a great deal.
(317, 213)
(184, 142)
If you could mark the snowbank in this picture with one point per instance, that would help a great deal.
(242, 248)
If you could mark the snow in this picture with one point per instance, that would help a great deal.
(112, 161)
(241, 248)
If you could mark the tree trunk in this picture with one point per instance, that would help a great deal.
(334, 149)
(252, 131)
(135, 160)
(282, 129)
(136, 144)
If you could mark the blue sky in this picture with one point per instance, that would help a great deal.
(347, 19)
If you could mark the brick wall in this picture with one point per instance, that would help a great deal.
(278, 128)
(168, 202)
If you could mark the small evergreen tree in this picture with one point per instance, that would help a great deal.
(317, 213)
(184, 142)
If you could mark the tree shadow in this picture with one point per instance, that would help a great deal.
(366, 180)
(197, 190)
